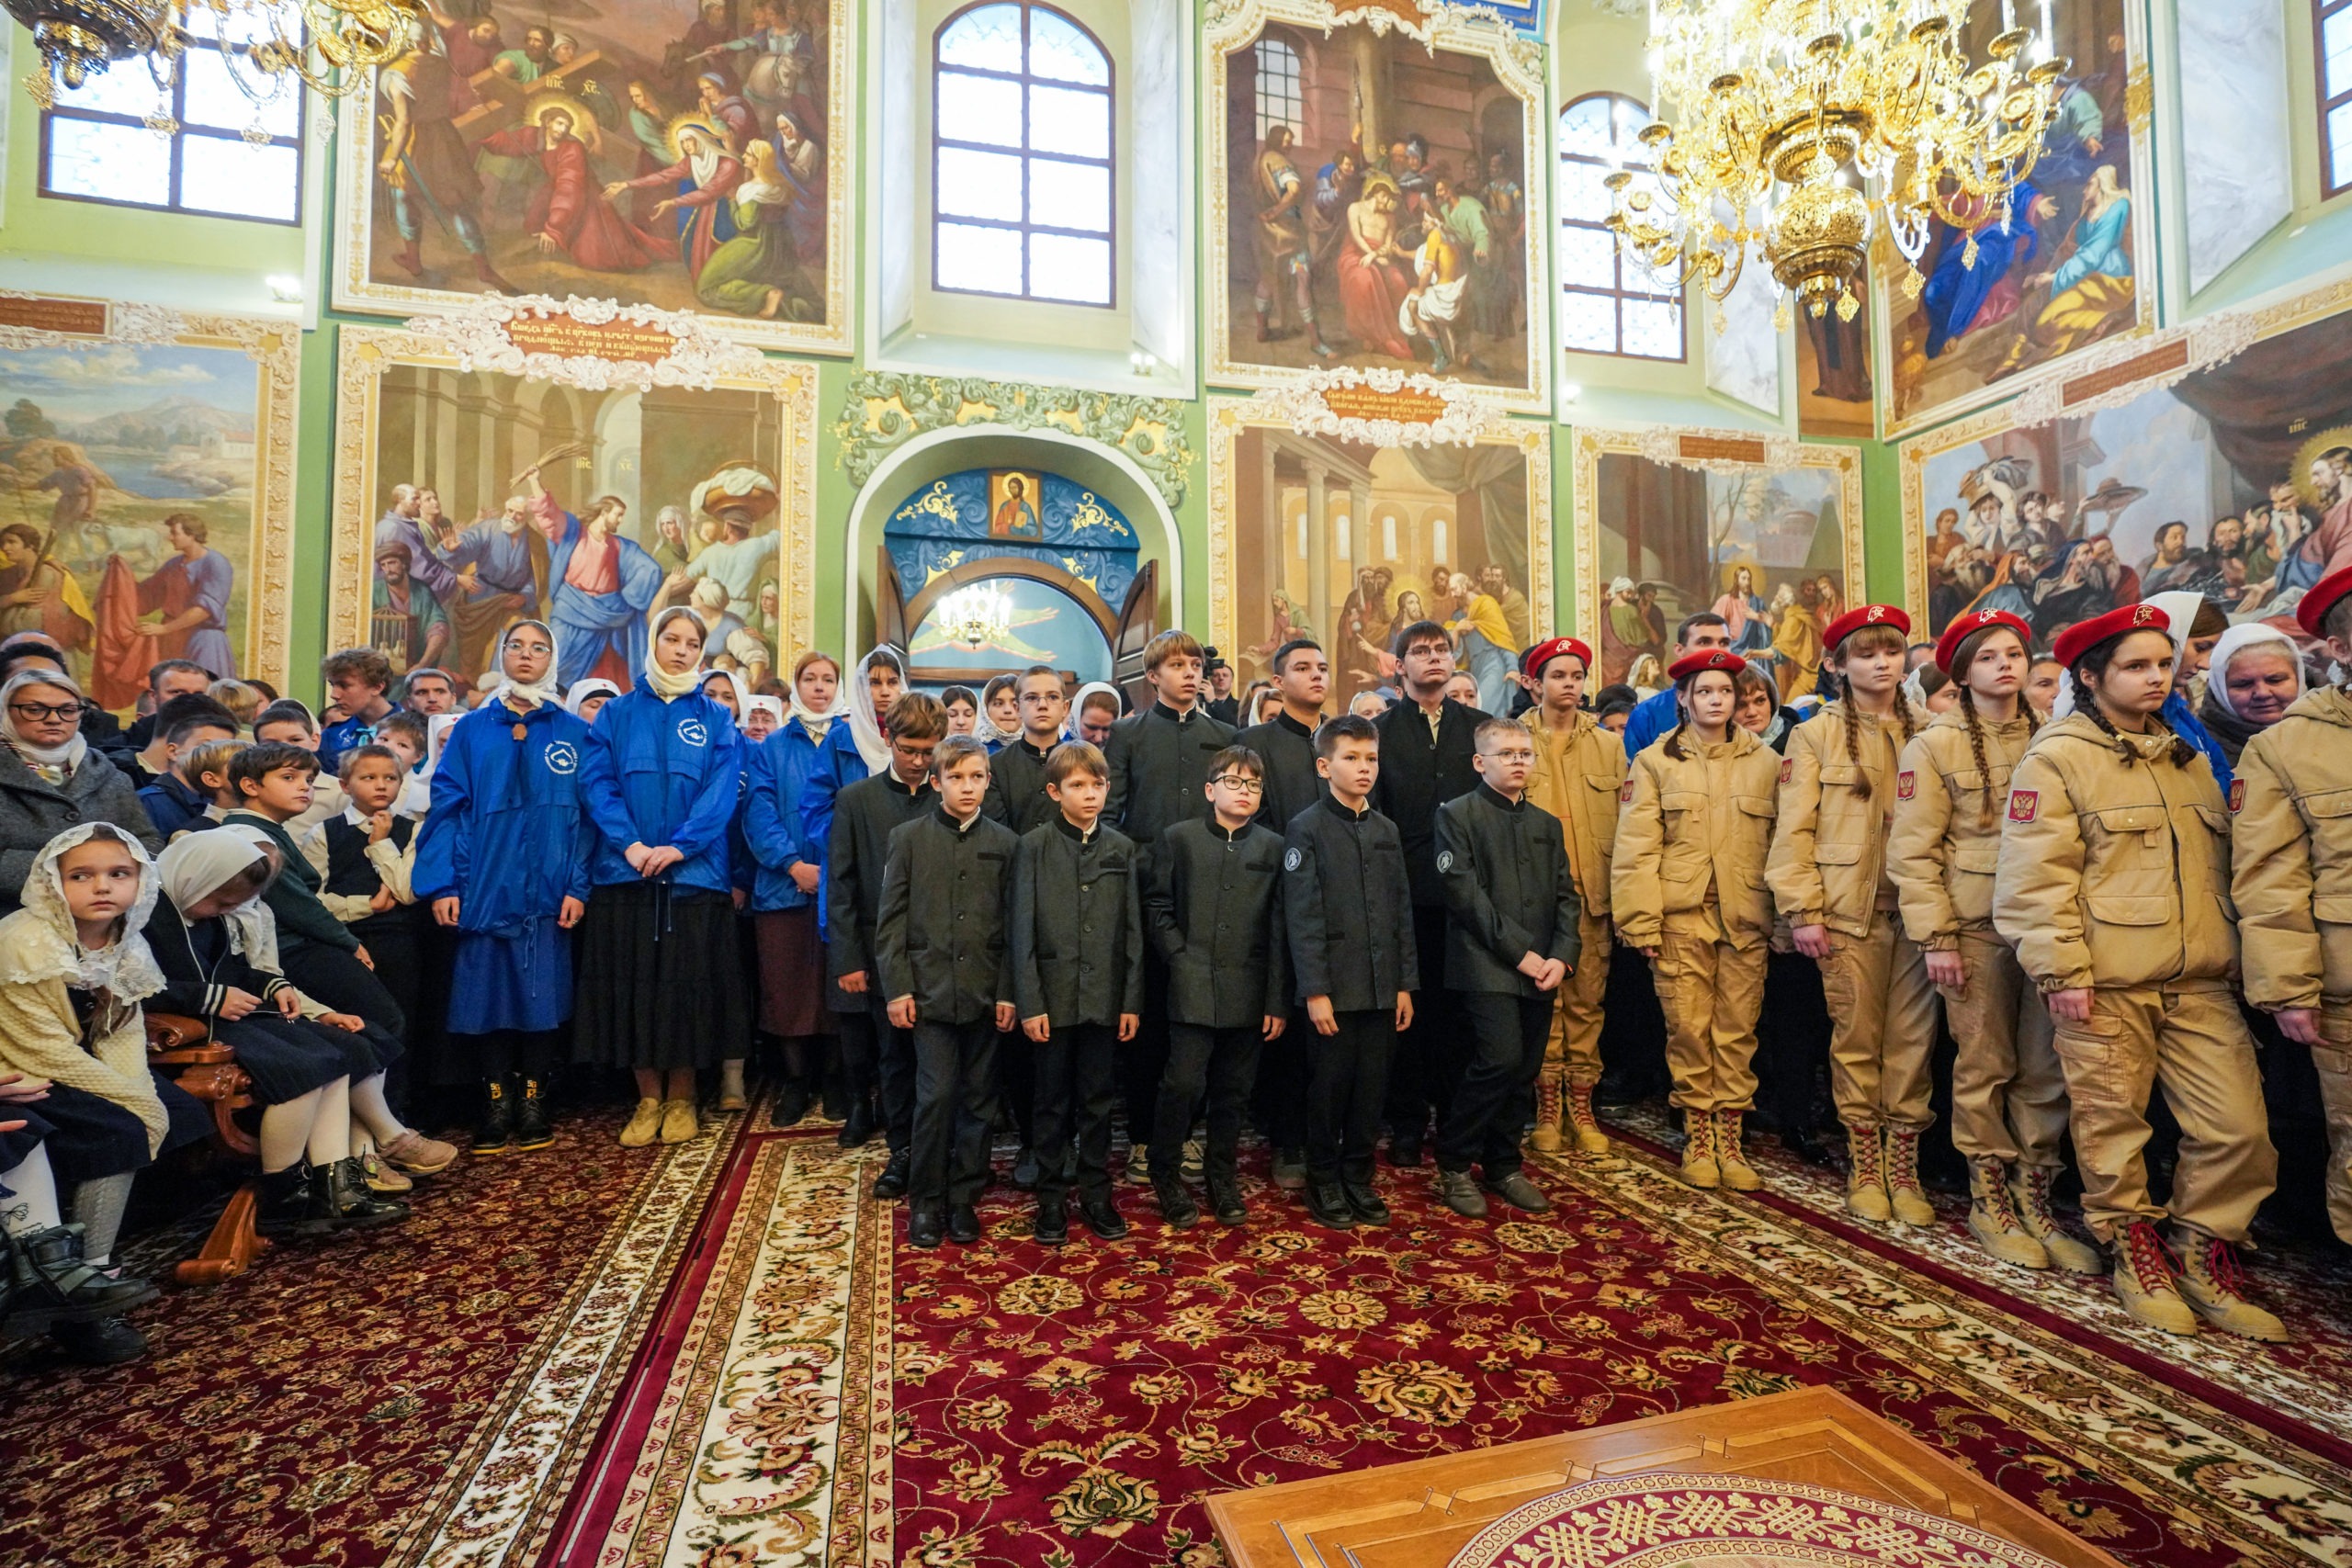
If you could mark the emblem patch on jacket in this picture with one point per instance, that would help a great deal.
(1907, 784)
(1625, 792)
(1788, 769)
(692, 732)
(2237, 795)
(2023, 804)
(562, 759)
(1444, 861)
(1293, 861)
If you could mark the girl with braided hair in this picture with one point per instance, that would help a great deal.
(2009, 1095)
(2113, 885)
(1828, 872)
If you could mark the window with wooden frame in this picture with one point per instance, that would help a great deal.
(224, 156)
(1279, 99)
(2333, 19)
(1609, 302)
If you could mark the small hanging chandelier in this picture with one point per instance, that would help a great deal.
(272, 46)
(977, 616)
(1794, 127)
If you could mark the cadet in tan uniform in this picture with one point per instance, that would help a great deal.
(2293, 879)
(1687, 887)
(2114, 887)
(2009, 1095)
(1579, 768)
(1828, 875)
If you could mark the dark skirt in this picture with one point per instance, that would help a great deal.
(287, 1058)
(89, 1135)
(661, 979)
(792, 974)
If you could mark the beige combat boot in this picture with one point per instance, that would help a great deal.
(2029, 1187)
(1699, 1166)
(1993, 1216)
(1904, 1195)
(2145, 1279)
(1738, 1174)
(1591, 1139)
(1546, 1139)
(2212, 1281)
(1865, 1176)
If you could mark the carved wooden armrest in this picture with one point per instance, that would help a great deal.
(171, 1031)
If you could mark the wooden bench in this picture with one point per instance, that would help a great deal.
(184, 1050)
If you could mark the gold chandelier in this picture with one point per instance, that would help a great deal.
(271, 45)
(1796, 126)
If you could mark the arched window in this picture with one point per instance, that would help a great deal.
(1278, 96)
(1021, 156)
(2335, 17)
(1608, 304)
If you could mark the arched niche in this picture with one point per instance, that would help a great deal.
(935, 454)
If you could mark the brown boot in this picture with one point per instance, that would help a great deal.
(1904, 1196)
(1699, 1166)
(2144, 1277)
(1738, 1174)
(1591, 1139)
(1546, 1138)
(2030, 1191)
(1866, 1177)
(1993, 1216)
(2212, 1282)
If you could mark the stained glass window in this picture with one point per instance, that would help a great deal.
(224, 156)
(1608, 304)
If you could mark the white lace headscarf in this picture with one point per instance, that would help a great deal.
(124, 968)
(195, 864)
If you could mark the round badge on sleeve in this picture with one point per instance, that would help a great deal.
(1293, 861)
(1444, 861)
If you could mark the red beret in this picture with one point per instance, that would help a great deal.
(1707, 659)
(1965, 626)
(2313, 608)
(2084, 636)
(1862, 615)
(1543, 653)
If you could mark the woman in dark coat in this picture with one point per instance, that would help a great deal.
(50, 778)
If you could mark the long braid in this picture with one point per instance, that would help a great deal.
(1976, 749)
(1674, 740)
(1851, 722)
(2087, 705)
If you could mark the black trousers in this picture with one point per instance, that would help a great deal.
(1278, 1098)
(331, 975)
(1016, 1073)
(1143, 1060)
(954, 1108)
(1071, 1076)
(878, 1062)
(1791, 1045)
(1507, 1035)
(1347, 1080)
(1222, 1063)
(528, 1052)
(1427, 1059)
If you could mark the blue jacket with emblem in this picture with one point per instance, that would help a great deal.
(508, 833)
(663, 772)
(837, 763)
(776, 779)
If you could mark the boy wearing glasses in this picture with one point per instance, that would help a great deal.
(1511, 937)
(1216, 915)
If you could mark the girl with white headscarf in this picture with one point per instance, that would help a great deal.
(661, 986)
(1000, 721)
(858, 750)
(50, 778)
(2256, 675)
(1078, 707)
(215, 943)
(587, 698)
(784, 920)
(73, 969)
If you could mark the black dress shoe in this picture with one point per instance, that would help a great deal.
(1224, 1200)
(859, 1129)
(891, 1185)
(1176, 1206)
(1052, 1228)
(1364, 1203)
(532, 1130)
(495, 1133)
(926, 1228)
(282, 1204)
(105, 1342)
(339, 1194)
(1404, 1151)
(962, 1223)
(1103, 1217)
(1330, 1206)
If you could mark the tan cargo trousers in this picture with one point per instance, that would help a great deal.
(1882, 1027)
(1573, 1052)
(2332, 1057)
(2008, 1093)
(1710, 989)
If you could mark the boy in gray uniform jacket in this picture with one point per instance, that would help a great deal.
(1348, 909)
(947, 971)
(1511, 939)
(1077, 978)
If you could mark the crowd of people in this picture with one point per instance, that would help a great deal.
(1033, 909)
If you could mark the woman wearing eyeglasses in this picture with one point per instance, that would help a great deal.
(50, 778)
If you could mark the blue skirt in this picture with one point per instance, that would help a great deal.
(519, 982)
(89, 1135)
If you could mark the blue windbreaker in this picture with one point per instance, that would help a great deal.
(772, 820)
(838, 764)
(657, 773)
(508, 833)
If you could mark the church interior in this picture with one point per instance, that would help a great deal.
(1176, 783)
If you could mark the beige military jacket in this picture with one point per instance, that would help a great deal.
(1695, 831)
(2112, 875)
(2292, 881)
(1941, 852)
(1829, 862)
(1577, 777)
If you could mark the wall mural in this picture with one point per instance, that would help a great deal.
(1766, 532)
(2231, 479)
(1347, 542)
(2058, 270)
(622, 152)
(1370, 197)
(147, 461)
(465, 498)
(983, 514)
(1834, 380)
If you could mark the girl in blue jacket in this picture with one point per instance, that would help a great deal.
(784, 896)
(662, 985)
(502, 860)
(853, 749)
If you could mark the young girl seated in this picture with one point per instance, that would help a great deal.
(73, 971)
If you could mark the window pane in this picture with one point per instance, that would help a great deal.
(1589, 321)
(215, 99)
(127, 89)
(1588, 256)
(989, 38)
(1069, 196)
(2339, 145)
(1061, 51)
(979, 185)
(1584, 128)
(988, 260)
(1062, 120)
(1064, 268)
(2335, 44)
(112, 163)
(1653, 330)
(979, 108)
(221, 176)
(1582, 194)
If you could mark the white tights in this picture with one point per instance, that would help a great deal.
(32, 1205)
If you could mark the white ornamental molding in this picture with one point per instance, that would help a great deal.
(2116, 373)
(83, 323)
(594, 344)
(1382, 407)
(1720, 451)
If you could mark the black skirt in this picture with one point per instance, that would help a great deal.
(660, 981)
(89, 1135)
(287, 1058)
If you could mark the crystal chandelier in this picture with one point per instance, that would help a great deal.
(1797, 126)
(272, 46)
(977, 616)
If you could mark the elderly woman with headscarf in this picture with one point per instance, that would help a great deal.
(2256, 676)
(503, 861)
(793, 981)
(50, 779)
(73, 969)
(660, 983)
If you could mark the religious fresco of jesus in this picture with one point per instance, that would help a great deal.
(1013, 507)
